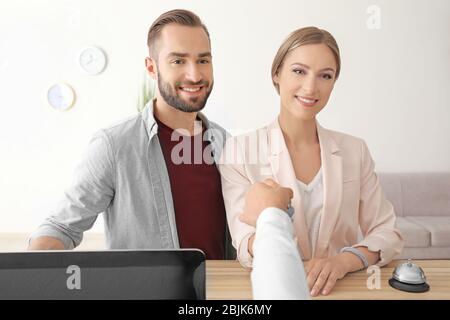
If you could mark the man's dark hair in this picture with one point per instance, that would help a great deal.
(178, 16)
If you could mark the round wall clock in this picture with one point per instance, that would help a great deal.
(61, 96)
(92, 60)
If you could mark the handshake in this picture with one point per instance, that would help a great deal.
(262, 195)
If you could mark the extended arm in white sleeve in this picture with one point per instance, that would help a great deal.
(278, 272)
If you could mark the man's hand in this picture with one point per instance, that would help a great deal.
(262, 195)
(46, 243)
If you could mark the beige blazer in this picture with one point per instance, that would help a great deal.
(353, 198)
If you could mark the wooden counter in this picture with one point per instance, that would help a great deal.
(228, 280)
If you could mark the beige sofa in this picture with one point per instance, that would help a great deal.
(422, 206)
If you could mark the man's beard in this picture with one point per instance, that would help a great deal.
(174, 100)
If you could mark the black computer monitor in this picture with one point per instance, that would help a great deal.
(114, 274)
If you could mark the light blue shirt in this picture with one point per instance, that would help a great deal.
(123, 175)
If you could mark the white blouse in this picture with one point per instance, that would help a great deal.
(312, 204)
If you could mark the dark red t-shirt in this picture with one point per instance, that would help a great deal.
(196, 192)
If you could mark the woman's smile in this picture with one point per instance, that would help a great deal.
(307, 102)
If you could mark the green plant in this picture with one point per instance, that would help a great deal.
(146, 92)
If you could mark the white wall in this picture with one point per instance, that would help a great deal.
(393, 91)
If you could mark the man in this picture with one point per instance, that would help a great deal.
(156, 192)
(278, 271)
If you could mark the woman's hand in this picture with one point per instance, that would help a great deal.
(322, 274)
(262, 195)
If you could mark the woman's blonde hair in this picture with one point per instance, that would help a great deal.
(304, 36)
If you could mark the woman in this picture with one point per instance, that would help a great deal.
(336, 191)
